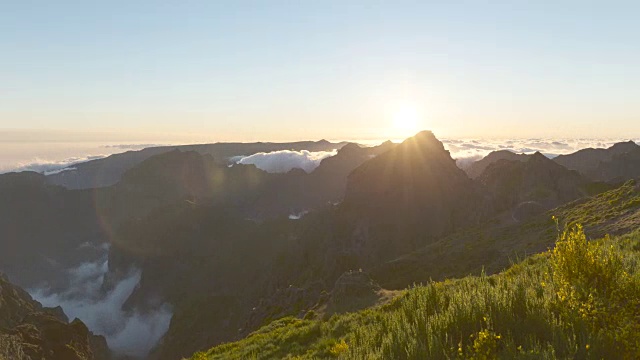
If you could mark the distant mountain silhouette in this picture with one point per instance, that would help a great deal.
(108, 171)
(620, 168)
(537, 180)
(477, 167)
(588, 162)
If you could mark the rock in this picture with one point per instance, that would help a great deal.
(27, 330)
(354, 290)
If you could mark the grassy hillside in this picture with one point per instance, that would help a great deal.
(493, 246)
(579, 300)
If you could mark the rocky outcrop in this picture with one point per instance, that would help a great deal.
(354, 290)
(29, 331)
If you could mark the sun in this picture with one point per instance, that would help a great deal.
(406, 120)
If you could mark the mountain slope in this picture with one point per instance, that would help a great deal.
(492, 245)
(533, 310)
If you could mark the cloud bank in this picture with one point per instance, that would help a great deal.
(466, 151)
(49, 167)
(285, 160)
(132, 334)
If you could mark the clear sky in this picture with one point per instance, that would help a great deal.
(283, 70)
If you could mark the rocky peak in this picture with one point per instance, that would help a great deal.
(623, 147)
(413, 188)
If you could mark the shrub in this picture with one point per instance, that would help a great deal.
(594, 286)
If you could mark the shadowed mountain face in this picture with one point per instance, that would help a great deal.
(493, 245)
(108, 171)
(537, 180)
(44, 229)
(27, 330)
(620, 168)
(478, 167)
(609, 164)
(298, 192)
(414, 187)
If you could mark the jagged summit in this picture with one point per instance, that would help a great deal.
(538, 156)
(415, 187)
(424, 139)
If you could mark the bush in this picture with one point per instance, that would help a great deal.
(594, 286)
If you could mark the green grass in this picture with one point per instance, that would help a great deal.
(578, 301)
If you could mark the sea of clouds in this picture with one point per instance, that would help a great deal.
(466, 151)
(127, 333)
(49, 167)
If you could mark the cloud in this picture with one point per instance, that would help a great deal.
(49, 167)
(298, 216)
(467, 151)
(285, 160)
(127, 333)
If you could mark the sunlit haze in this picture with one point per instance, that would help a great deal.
(245, 71)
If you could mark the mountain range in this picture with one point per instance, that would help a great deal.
(230, 248)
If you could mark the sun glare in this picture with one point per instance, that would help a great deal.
(406, 120)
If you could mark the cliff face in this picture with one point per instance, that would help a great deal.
(29, 331)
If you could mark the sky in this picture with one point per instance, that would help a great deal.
(199, 71)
